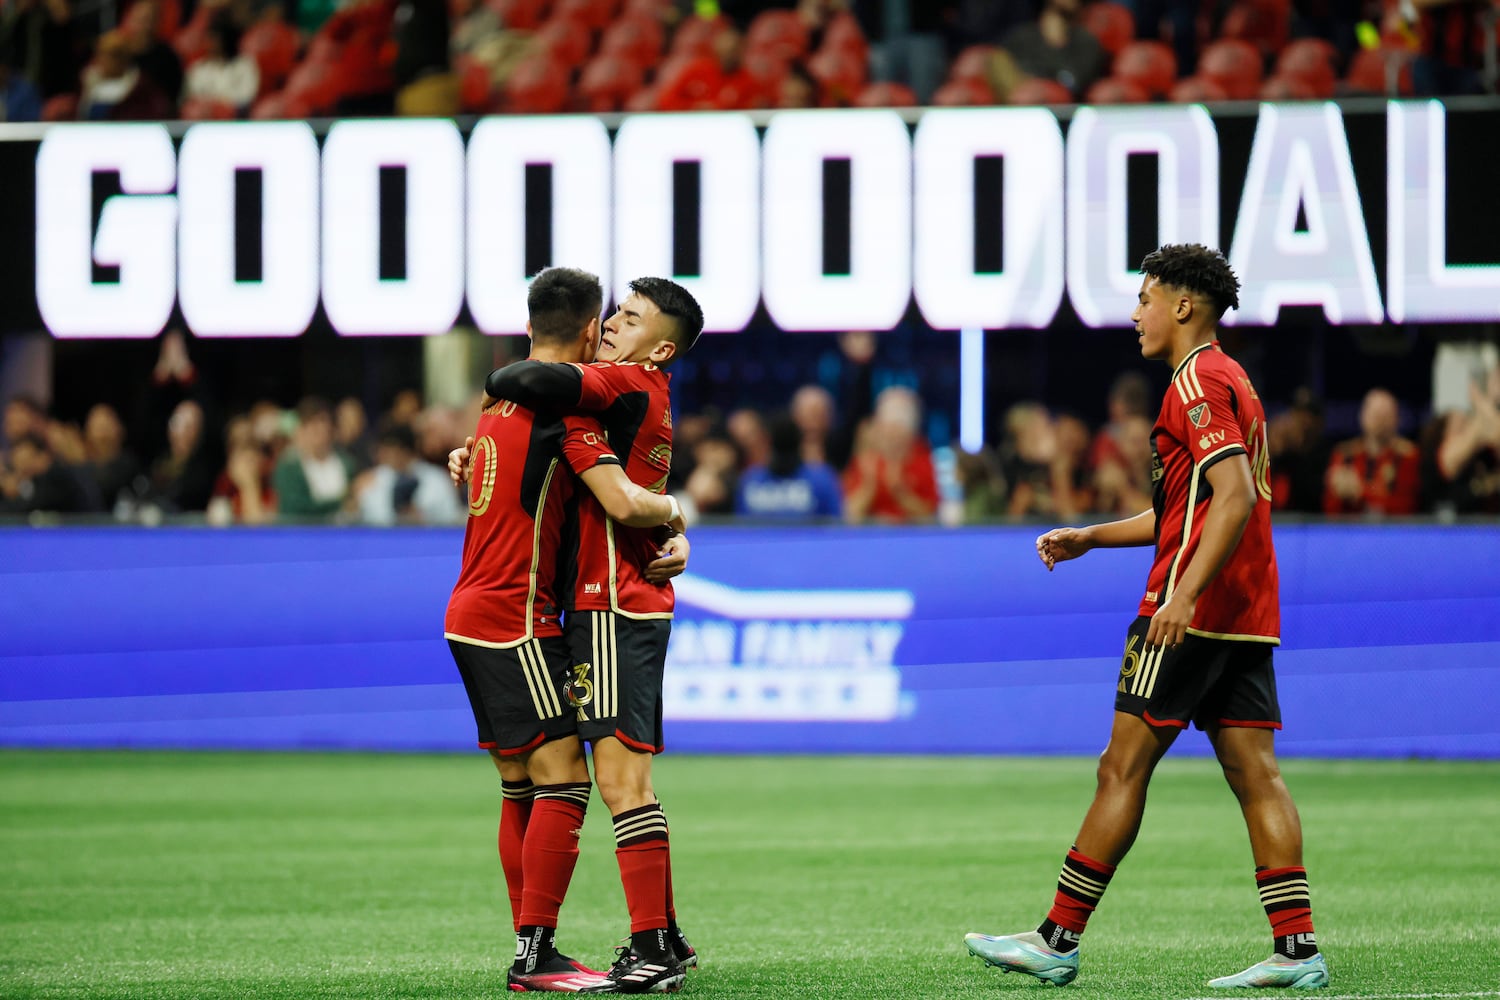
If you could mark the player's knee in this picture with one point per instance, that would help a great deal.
(622, 791)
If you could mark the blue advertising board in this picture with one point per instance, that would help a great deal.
(786, 640)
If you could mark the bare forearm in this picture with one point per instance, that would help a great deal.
(1125, 533)
(1457, 448)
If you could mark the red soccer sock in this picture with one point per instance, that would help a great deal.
(1288, 904)
(515, 811)
(1080, 886)
(671, 901)
(642, 851)
(551, 850)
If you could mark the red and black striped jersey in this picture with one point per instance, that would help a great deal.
(507, 591)
(633, 402)
(1211, 412)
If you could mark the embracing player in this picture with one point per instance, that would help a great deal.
(1200, 650)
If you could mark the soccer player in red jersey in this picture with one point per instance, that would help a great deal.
(618, 618)
(1200, 650)
(504, 622)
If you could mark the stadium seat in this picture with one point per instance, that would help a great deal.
(1112, 23)
(886, 95)
(779, 31)
(200, 109)
(279, 106)
(840, 75)
(1309, 60)
(61, 108)
(596, 14)
(315, 85)
(695, 35)
(1149, 65)
(567, 40)
(607, 83)
(273, 45)
(965, 92)
(636, 38)
(1289, 88)
(538, 85)
(521, 15)
(1037, 90)
(973, 63)
(1196, 90)
(476, 86)
(1235, 65)
(1265, 24)
(657, 10)
(191, 41)
(1380, 71)
(843, 32)
(688, 83)
(642, 100)
(1115, 90)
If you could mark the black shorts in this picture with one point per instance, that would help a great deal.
(617, 675)
(517, 693)
(1210, 682)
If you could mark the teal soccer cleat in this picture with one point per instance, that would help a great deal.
(1277, 972)
(1026, 953)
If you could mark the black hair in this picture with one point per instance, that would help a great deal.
(561, 302)
(312, 407)
(677, 302)
(786, 447)
(399, 436)
(1196, 268)
(228, 34)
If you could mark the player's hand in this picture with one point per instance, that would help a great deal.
(672, 560)
(1170, 623)
(1062, 544)
(458, 462)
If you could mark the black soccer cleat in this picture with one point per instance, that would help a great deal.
(635, 973)
(682, 948)
(559, 974)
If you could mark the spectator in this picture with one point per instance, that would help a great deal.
(798, 89)
(1056, 47)
(223, 74)
(1378, 472)
(23, 416)
(114, 470)
(114, 88)
(157, 60)
(1122, 478)
(982, 484)
(1043, 474)
(907, 42)
(403, 489)
(243, 493)
(183, 478)
(1468, 459)
(312, 477)
(890, 477)
(19, 100)
(361, 30)
(1451, 35)
(747, 429)
(712, 484)
(812, 414)
(38, 39)
(351, 432)
(476, 30)
(787, 485)
(439, 429)
(424, 85)
(36, 481)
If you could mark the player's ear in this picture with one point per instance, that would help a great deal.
(663, 352)
(1184, 310)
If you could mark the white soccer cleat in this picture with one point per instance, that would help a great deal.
(1278, 972)
(1026, 953)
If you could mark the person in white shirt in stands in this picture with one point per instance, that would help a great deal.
(402, 488)
(223, 74)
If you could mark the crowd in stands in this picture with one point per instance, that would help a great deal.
(857, 455)
(267, 59)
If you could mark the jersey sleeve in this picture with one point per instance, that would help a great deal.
(585, 445)
(1207, 420)
(603, 383)
(536, 385)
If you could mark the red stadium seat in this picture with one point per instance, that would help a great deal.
(636, 38)
(642, 100)
(191, 41)
(538, 86)
(840, 75)
(1310, 60)
(201, 109)
(1114, 90)
(279, 106)
(566, 40)
(1235, 65)
(1289, 88)
(273, 45)
(476, 86)
(695, 35)
(778, 31)
(314, 84)
(1112, 23)
(596, 14)
(886, 95)
(658, 10)
(1197, 90)
(522, 15)
(964, 92)
(973, 63)
(1149, 65)
(607, 83)
(1263, 23)
(1036, 90)
(1380, 71)
(62, 108)
(688, 83)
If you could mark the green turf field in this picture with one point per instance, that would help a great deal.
(157, 875)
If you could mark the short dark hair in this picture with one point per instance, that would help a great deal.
(1196, 268)
(313, 407)
(677, 302)
(561, 302)
(398, 436)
